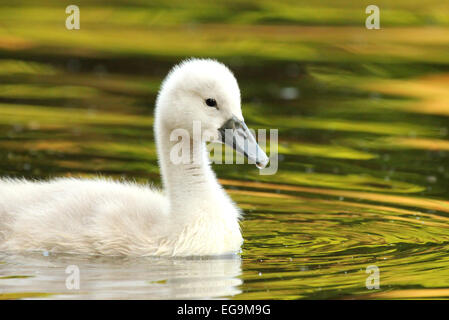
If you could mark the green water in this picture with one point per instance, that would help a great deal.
(363, 126)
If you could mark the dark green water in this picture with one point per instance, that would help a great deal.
(363, 126)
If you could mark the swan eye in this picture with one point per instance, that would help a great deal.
(211, 102)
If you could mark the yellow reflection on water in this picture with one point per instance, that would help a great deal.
(410, 201)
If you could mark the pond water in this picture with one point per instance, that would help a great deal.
(363, 176)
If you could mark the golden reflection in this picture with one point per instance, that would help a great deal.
(439, 205)
(371, 209)
(408, 294)
(412, 143)
(432, 92)
(325, 151)
(42, 145)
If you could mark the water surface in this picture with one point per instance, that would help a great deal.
(362, 116)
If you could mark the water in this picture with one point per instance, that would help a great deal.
(363, 142)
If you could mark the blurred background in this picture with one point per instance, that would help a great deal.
(362, 116)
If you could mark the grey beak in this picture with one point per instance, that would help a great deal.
(236, 134)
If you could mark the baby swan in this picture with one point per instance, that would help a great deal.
(193, 216)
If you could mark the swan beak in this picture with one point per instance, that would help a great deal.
(236, 134)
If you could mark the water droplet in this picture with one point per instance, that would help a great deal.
(293, 70)
(431, 179)
(309, 170)
(18, 128)
(289, 93)
(34, 125)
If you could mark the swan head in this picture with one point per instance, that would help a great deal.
(205, 92)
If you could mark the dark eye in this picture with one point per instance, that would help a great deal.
(211, 102)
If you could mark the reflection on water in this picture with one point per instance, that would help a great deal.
(118, 277)
(363, 141)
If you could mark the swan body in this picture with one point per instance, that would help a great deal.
(192, 216)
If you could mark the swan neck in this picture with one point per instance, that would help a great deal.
(188, 181)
